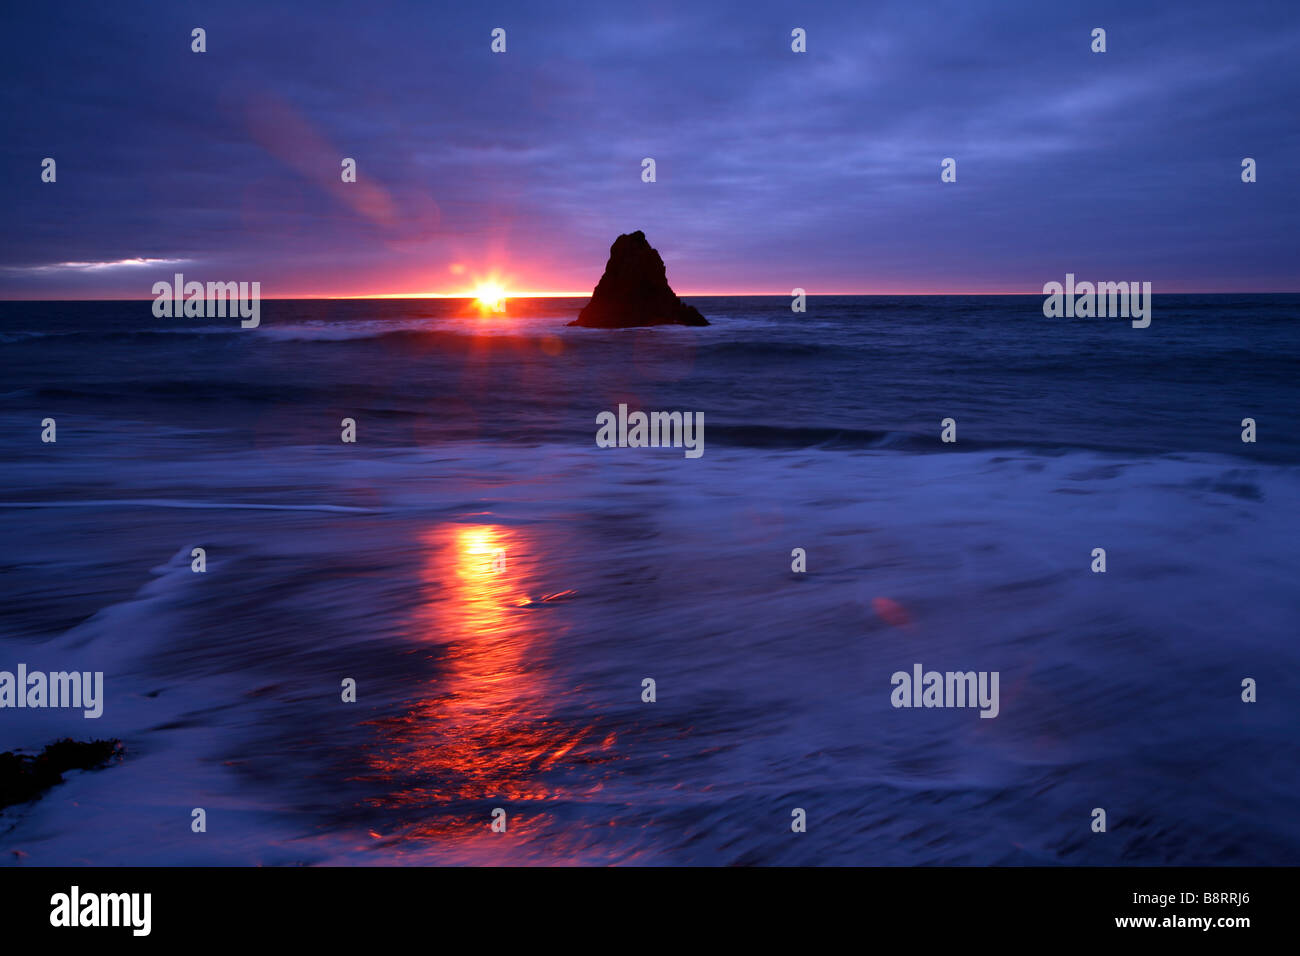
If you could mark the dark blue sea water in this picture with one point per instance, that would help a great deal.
(518, 685)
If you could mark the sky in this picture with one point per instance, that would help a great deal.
(774, 169)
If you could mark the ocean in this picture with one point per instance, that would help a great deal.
(500, 589)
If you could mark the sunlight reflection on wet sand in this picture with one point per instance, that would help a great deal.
(486, 735)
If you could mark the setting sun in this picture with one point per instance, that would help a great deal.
(490, 296)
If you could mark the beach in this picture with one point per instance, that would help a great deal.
(499, 586)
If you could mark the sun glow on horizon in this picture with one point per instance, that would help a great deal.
(490, 297)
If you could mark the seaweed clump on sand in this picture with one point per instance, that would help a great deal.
(24, 778)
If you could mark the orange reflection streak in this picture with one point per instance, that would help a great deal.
(488, 730)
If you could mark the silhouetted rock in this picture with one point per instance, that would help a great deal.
(634, 291)
(24, 778)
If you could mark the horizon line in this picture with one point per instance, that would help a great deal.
(682, 295)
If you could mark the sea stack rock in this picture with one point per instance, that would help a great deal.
(634, 291)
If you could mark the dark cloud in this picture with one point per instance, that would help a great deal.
(774, 169)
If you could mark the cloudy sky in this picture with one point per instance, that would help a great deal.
(774, 169)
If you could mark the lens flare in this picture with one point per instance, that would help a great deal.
(490, 297)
